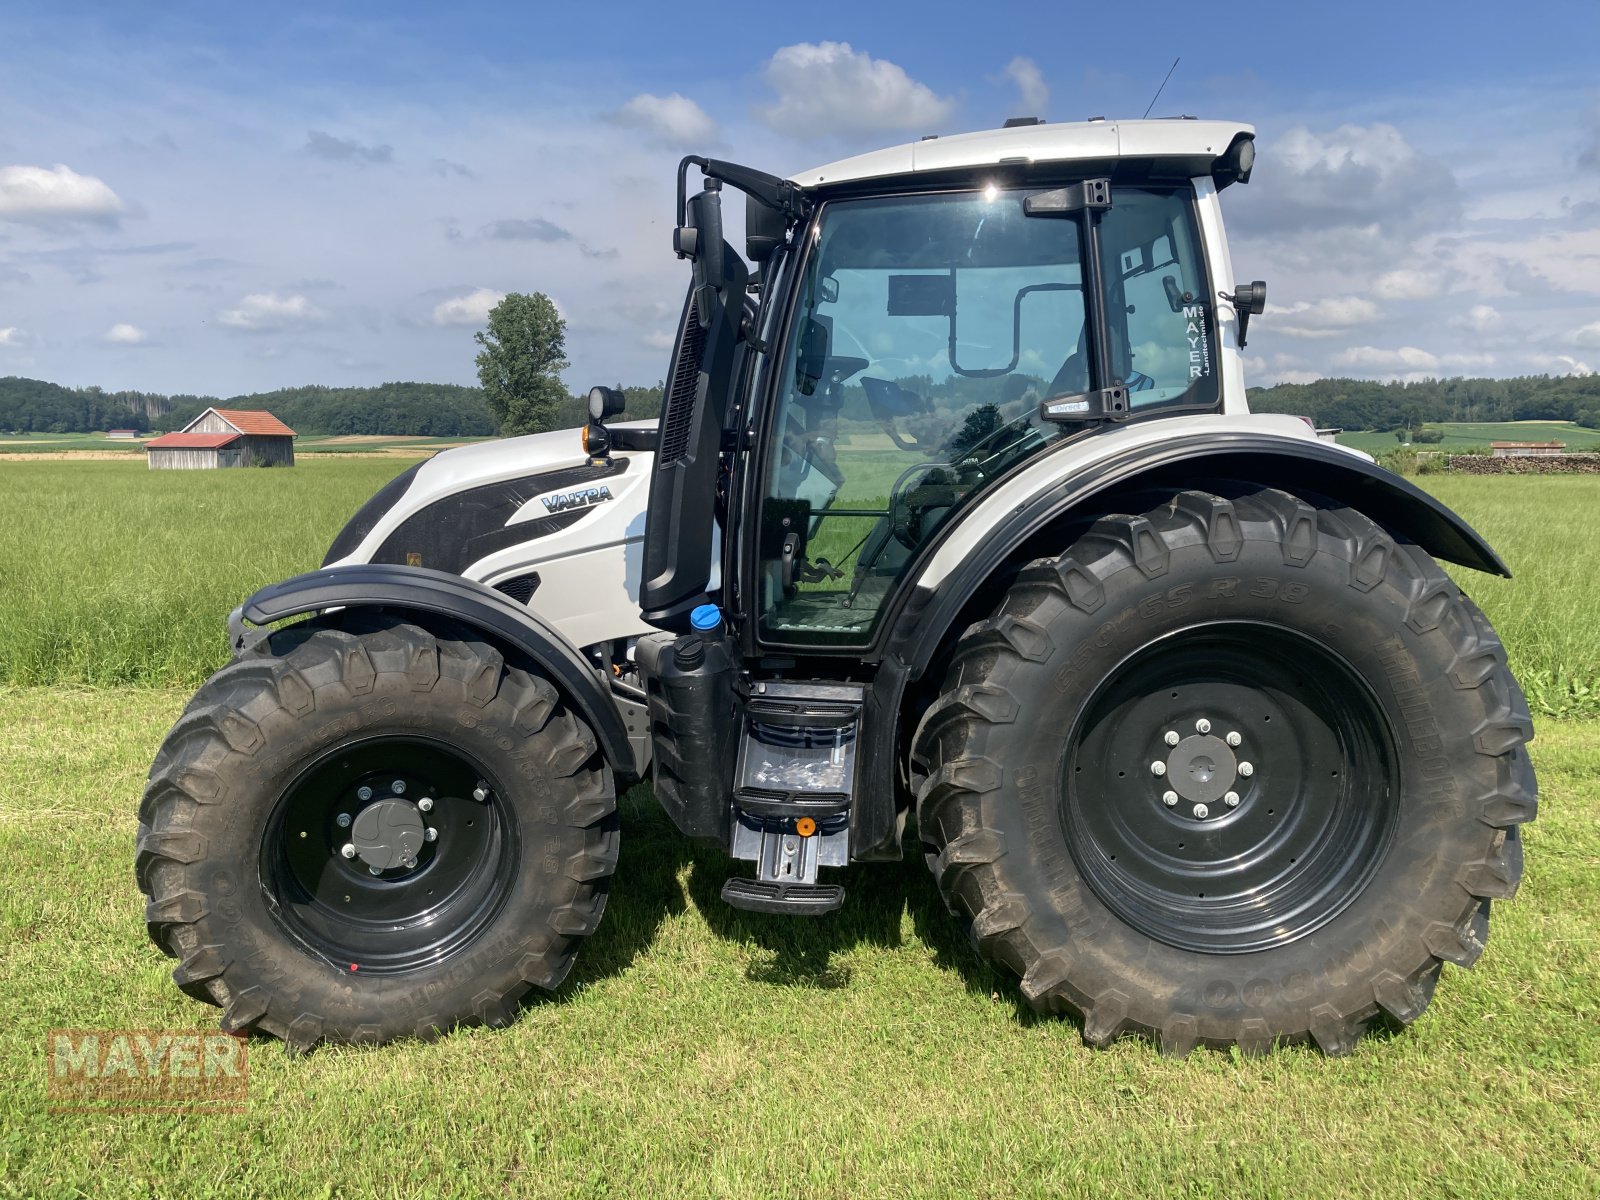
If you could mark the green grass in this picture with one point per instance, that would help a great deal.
(113, 574)
(698, 1051)
(1466, 435)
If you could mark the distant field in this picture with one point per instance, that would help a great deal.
(112, 573)
(1465, 435)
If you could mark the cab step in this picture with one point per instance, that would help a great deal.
(783, 899)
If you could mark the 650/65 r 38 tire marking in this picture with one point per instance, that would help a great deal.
(1235, 769)
(370, 830)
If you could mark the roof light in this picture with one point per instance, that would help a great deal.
(990, 190)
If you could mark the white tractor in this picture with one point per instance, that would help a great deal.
(955, 519)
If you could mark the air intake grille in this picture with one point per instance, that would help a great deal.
(679, 414)
(520, 587)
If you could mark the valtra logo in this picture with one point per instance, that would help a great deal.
(582, 498)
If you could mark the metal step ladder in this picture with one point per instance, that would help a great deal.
(793, 786)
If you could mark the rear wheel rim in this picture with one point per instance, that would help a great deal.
(405, 917)
(1230, 788)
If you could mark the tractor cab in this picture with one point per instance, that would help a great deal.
(925, 322)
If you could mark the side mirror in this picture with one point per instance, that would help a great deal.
(604, 402)
(764, 230)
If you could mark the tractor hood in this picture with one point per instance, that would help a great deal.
(525, 515)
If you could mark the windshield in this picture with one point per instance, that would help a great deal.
(928, 331)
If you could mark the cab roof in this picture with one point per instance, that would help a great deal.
(1196, 143)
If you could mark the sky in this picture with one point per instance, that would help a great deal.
(220, 199)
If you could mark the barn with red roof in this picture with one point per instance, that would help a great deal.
(224, 437)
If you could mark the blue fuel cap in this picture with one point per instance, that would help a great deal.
(706, 617)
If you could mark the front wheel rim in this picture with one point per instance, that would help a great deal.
(1231, 787)
(389, 912)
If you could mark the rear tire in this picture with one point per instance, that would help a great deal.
(1298, 897)
(245, 816)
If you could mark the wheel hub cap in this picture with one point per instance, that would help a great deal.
(388, 834)
(1202, 769)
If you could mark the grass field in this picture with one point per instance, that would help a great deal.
(1467, 435)
(77, 443)
(700, 1051)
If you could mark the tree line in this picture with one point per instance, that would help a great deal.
(1364, 404)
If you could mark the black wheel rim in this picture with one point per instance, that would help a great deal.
(1285, 777)
(393, 918)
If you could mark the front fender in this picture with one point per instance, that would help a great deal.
(421, 590)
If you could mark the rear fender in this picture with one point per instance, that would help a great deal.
(427, 592)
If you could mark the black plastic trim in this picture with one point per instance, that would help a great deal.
(366, 519)
(418, 589)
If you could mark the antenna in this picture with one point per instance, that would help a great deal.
(1157, 96)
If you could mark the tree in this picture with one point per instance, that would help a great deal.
(524, 349)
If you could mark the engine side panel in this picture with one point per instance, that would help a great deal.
(511, 511)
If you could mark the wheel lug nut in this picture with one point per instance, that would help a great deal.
(347, 850)
(430, 835)
(1234, 739)
(425, 804)
(1231, 799)
(363, 793)
(1158, 767)
(398, 787)
(481, 793)
(1171, 737)
(1169, 798)
(1246, 769)
(342, 820)
(1201, 811)
(1203, 725)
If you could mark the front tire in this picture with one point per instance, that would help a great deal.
(368, 831)
(1241, 770)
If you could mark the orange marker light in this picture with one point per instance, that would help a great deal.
(805, 826)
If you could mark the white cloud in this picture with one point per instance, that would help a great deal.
(1480, 319)
(45, 195)
(12, 336)
(1032, 90)
(126, 335)
(471, 309)
(1378, 359)
(673, 120)
(1409, 284)
(1588, 335)
(1323, 318)
(1292, 376)
(1572, 366)
(1364, 178)
(828, 88)
(265, 312)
